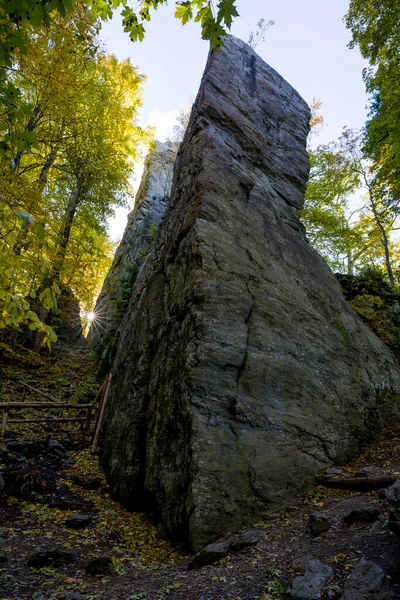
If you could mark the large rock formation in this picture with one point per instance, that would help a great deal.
(241, 371)
(149, 209)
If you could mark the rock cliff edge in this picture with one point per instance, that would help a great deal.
(240, 370)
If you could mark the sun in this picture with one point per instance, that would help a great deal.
(91, 316)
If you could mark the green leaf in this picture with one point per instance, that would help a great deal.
(184, 12)
(226, 11)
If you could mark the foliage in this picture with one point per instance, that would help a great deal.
(375, 29)
(348, 232)
(327, 214)
(56, 196)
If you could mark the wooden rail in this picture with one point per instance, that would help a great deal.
(6, 407)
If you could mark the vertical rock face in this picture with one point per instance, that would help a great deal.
(241, 371)
(150, 206)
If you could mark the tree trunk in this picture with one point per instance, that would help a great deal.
(30, 127)
(25, 228)
(63, 239)
(350, 262)
(385, 242)
(64, 233)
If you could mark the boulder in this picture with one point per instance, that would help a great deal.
(99, 566)
(310, 585)
(392, 495)
(365, 514)
(246, 539)
(365, 582)
(210, 554)
(318, 523)
(214, 552)
(50, 558)
(65, 504)
(149, 209)
(78, 521)
(240, 370)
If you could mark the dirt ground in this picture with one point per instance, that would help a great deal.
(144, 564)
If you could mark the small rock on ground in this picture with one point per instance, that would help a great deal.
(318, 523)
(87, 484)
(99, 566)
(310, 585)
(209, 554)
(244, 540)
(50, 558)
(366, 514)
(78, 521)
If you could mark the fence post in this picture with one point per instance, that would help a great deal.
(101, 416)
(4, 423)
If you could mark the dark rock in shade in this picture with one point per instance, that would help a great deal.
(372, 470)
(25, 446)
(64, 504)
(3, 557)
(214, 552)
(333, 471)
(367, 515)
(365, 582)
(394, 522)
(87, 483)
(149, 209)
(78, 521)
(58, 449)
(241, 371)
(99, 566)
(246, 539)
(318, 523)
(392, 495)
(210, 554)
(50, 558)
(310, 585)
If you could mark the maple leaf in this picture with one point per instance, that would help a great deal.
(226, 11)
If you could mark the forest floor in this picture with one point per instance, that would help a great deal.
(39, 474)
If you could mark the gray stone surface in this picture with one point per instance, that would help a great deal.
(78, 521)
(318, 523)
(241, 372)
(210, 554)
(367, 514)
(365, 582)
(310, 585)
(392, 495)
(149, 209)
(246, 539)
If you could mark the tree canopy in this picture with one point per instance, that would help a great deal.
(375, 27)
(67, 162)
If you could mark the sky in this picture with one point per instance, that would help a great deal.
(307, 45)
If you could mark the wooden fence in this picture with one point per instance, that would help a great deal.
(7, 407)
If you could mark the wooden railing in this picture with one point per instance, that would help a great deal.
(6, 407)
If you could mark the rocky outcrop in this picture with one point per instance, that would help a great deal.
(241, 371)
(149, 209)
